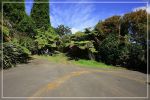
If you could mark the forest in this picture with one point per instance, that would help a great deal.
(117, 40)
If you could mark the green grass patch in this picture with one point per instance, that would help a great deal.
(61, 58)
(93, 64)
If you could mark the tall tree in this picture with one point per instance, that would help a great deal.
(14, 11)
(135, 23)
(109, 26)
(40, 14)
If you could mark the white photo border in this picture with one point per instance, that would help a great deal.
(2, 95)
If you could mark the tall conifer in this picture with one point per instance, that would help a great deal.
(40, 13)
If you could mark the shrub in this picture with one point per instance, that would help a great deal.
(82, 49)
(137, 58)
(13, 54)
(27, 42)
(130, 55)
(109, 52)
(46, 40)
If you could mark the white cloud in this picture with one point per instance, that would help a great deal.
(144, 8)
(76, 16)
(74, 30)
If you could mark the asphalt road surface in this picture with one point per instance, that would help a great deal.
(44, 79)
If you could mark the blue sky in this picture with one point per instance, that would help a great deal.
(81, 15)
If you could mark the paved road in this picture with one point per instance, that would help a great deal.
(41, 78)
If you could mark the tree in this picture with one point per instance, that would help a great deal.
(108, 26)
(135, 23)
(46, 39)
(87, 30)
(27, 25)
(63, 30)
(113, 52)
(137, 57)
(40, 14)
(80, 46)
(14, 11)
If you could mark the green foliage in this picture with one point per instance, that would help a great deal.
(27, 25)
(14, 11)
(14, 53)
(108, 26)
(87, 30)
(135, 23)
(6, 31)
(109, 50)
(40, 14)
(93, 64)
(127, 44)
(78, 46)
(63, 30)
(26, 42)
(84, 45)
(62, 58)
(58, 58)
(65, 40)
(137, 57)
(117, 40)
(131, 55)
(79, 36)
(46, 38)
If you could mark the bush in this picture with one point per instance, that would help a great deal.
(82, 49)
(137, 57)
(13, 54)
(109, 52)
(27, 42)
(46, 40)
(130, 55)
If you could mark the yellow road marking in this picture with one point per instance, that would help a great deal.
(57, 83)
(61, 80)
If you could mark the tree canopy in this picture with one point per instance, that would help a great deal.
(63, 30)
(14, 11)
(40, 14)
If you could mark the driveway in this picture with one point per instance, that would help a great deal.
(42, 78)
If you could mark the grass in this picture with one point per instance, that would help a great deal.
(93, 64)
(61, 58)
(58, 58)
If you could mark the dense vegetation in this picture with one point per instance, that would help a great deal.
(118, 40)
(40, 14)
(13, 50)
